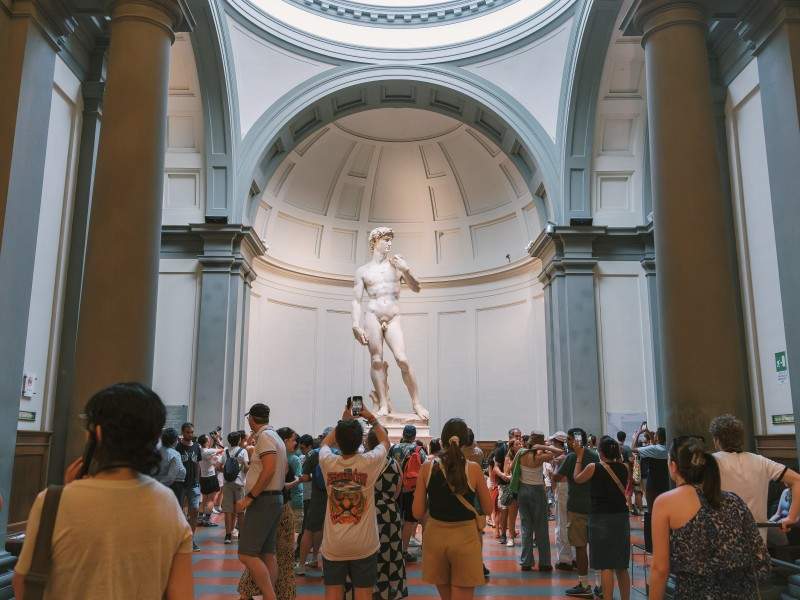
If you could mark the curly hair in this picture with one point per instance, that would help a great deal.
(378, 233)
(729, 432)
(130, 417)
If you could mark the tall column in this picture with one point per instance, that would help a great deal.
(573, 360)
(92, 88)
(118, 299)
(704, 364)
(773, 26)
(27, 66)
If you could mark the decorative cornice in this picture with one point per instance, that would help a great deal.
(760, 18)
(218, 248)
(567, 250)
(54, 17)
(428, 15)
(514, 269)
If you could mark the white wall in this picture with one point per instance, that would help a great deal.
(52, 243)
(176, 331)
(184, 186)
(619, 141)
(757, 253)
(478, 352)
(625, 340)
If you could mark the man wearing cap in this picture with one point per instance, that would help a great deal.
(563, 548)
(263, 502)
(402, 452)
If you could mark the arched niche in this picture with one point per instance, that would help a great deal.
(346, 90)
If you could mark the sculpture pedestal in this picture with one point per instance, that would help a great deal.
(395, 422)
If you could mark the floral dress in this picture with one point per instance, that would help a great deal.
(719, 553)
(285, 588)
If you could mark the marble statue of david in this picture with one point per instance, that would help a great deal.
(380, 278)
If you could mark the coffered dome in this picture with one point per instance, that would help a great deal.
(458, 204)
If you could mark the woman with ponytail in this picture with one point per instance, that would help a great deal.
(447, 488)
(705, 537)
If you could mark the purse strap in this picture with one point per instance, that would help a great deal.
(614, 477)
(39, 571)
(453, 490)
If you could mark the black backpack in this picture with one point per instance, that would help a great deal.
(231, 468)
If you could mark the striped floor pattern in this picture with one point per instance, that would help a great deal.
(217, 570)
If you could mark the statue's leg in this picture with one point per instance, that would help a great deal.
(377, 372)
(397, 344)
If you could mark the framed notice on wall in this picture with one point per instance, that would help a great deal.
(176, 416)
(628, 422)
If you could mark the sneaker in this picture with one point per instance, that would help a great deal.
(562, 566)
(414, 543)
(217, 511)
(409, 558)
(486, 572)
(300, 570)
(228, 539)
(598, 592)
(195, 547)
(510, 543)
(580, 591)
(235, 534)
(502, 540)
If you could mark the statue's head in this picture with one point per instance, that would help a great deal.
(379, 233)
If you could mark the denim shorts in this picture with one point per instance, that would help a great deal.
(189, 495)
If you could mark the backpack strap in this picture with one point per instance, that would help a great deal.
(39, 571)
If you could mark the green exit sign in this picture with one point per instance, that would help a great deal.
(780, 361)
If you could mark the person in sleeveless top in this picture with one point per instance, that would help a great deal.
(609, 525)
(705, 537)
(446, 489)
(528, 482)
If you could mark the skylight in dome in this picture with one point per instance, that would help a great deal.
(405, 38)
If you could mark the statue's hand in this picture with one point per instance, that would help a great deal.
(360, 335)
(399, 263)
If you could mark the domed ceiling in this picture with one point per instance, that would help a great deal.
(458, 205)
(404, 24)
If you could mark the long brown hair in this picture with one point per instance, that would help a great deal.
(455, 434)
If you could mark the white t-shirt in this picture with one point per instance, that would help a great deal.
(112, 539)
(351, 525)
(268, 442)
(208, 462)
(240, 454)
(748, 475)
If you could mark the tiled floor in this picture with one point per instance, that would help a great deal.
(217, 570)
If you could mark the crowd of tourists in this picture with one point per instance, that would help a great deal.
(347, 506)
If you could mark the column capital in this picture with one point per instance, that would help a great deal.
(645, 17)
(172, 15)
(760, 18)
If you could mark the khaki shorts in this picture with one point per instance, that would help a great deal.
(577, 529)
(451, 554)
(231, 494)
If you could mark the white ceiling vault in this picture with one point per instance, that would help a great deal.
(457, 203)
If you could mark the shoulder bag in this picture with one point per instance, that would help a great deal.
(615, 479)
(39, 571)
